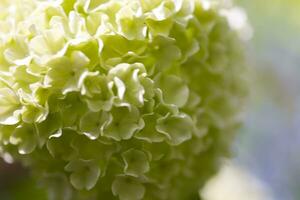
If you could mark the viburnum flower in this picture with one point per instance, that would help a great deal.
(119, 99)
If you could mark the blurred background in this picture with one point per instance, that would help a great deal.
(269, 145)
(266, 164)
(267, 150)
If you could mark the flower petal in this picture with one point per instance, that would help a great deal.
(125, 122)
(25, 136)
(9, 107)
(85, 173)
(175, 91)
(92, 123)
(128, 188)
(178, 129)
(136, 162)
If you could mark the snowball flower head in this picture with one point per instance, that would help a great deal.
(118, 99)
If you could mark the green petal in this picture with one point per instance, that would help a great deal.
(94, 150)
(68, 5)
(128, 188)
(148, 5)
(92, 123)
(60, 71)
(130, 24)
(49, 43)
(162, 107)
(87, 51)
(136, 162)
(94, 22)
(193, 101)
(149, 133)
(97, 103)
(161, 28)
(5, 133)
(25, 136)
(174, 89)
(67, 73)
(125, 122)
(178, 129)
(34, 113)
(185, 13)
(59, 144)
(129, 79)
(49, 127)
(17, 53)
(23, 77)
(71, 108)
(116, 46)
(98, 92)
(85, 173)
(185, 40)
(9, 107)
(95, 3)
(165, 52)
(79, 59)
(77, 27)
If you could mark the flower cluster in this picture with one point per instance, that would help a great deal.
(126, 99)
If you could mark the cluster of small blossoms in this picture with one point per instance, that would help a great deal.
(118, 99)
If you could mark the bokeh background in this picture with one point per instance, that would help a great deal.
(266, 163)
(269, 144)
